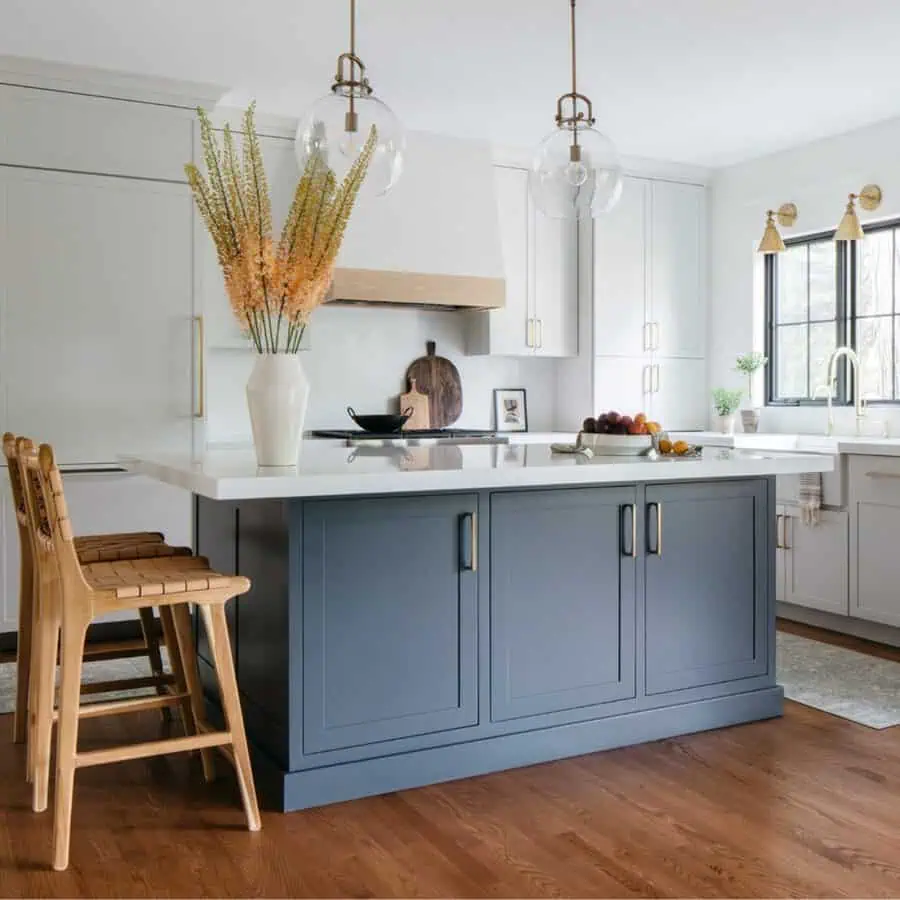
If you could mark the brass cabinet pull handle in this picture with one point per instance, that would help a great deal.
(779, 544)
(201, 368)
(629, 551)
(656, 379)
(784, 533)
(655, 551)
(529, 333)
(468, 540)
(882, 474)
(647, 382)
(648, 335)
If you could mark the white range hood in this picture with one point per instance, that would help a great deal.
(434, 240)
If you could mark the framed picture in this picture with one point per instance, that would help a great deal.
(510, 411)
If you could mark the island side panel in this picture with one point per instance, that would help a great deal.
(251, 538)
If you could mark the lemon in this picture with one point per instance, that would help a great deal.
(665, 446)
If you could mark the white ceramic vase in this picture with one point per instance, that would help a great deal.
(750, 420)
(277, 395)
(725, 424)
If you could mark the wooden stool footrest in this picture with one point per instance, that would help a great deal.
(126, 684)
(152, 748)
(133, 705)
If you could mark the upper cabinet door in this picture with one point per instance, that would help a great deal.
(76, 133)
(98, 343)
(509, 327)
(620, 274)
(679, 398)
(555, 286)
(678, 285)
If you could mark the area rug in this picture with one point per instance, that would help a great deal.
(105, 670)
(854, 686)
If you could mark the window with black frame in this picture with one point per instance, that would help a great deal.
(805, 319)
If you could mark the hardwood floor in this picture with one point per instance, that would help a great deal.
(808, 805)
(803, 806)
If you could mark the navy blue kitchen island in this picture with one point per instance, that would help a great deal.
(400, 638)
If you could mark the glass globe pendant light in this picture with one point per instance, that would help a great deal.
(337, 125)
(575, 172)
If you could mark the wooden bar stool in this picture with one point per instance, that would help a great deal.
(77, 594)
(94, 548)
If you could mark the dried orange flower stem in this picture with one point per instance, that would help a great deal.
(273, 288)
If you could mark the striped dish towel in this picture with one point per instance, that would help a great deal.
(810, 497)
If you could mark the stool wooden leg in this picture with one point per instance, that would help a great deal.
(182, 618)
(217, 630)
(43, 690)
(170, 638)
(73, 635)
(23, 652)
(151, 641)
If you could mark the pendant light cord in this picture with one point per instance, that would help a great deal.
(574, 73)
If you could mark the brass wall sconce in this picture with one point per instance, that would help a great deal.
(850, 229)
(771, 240)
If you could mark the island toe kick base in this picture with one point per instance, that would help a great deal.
(396, 641)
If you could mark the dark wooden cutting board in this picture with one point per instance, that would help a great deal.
(438, 377)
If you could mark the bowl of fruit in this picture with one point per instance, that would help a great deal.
(612, 434)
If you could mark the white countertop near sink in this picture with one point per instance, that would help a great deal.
(327, 471)
(796, 443)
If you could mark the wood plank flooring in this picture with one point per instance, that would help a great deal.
(808, 805)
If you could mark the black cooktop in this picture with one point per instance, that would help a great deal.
(358, 435)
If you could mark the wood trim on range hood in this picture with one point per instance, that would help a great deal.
(373, 286)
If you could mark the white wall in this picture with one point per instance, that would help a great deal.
(817, 177)
(358, 357)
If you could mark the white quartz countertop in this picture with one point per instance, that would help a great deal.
(328, 471)
(801, 443)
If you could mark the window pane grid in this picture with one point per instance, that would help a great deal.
(857, 283)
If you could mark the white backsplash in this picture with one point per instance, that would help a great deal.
(358, 357)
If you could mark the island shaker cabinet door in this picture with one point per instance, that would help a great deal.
(706, 569)
(390, 629)
(562, 600)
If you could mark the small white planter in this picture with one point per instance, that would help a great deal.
(277, 396)
(725, 424)
(750, 420)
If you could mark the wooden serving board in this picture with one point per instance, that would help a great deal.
(439, 379)
(418, 403)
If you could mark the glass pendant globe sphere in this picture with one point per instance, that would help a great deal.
(323, 130)
(564, 188)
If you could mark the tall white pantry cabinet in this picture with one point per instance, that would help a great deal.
(643, 310)
(98, 308)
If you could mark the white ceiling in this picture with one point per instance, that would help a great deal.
(699, 81)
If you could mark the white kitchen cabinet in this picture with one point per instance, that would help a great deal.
(97, 304)
(677, 307)
(678, 393)
(650, 299)
(540, 264)
(621, 383)
(620, 275)
(874, 526)
(815, 560)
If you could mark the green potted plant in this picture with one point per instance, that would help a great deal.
(748, 364)
(726, 403)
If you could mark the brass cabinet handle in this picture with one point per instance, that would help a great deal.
(529, 333)
(657, 551)
(201, 367)
(647, 382)
(882, 474)
(779, 523)
(648, 335)
(655, 388)
(468, 542)
(630, 552)
(784, 533)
